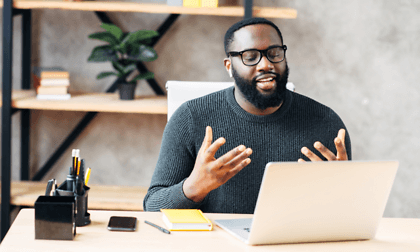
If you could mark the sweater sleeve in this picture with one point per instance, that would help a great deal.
(175, 163)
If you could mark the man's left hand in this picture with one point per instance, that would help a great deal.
(339, 145)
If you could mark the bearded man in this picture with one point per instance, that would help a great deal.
(257, 116)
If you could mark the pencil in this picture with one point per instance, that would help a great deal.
(76, 162)
(87, 176)
(73, 155)
(78, 167)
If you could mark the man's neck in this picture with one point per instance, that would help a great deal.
(250, 108)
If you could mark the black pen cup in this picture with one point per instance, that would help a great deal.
(54, 218)
(82, 217)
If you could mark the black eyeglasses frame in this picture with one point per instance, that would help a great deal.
(262, 53)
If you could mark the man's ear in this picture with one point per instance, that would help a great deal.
(228, 66)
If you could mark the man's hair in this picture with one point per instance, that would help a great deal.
(245, 22)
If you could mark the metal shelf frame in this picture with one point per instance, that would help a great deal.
(7, 111)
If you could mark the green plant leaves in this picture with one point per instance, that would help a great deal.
(122, 69)
(118, 67)
(134, 39)
(143, 53)
(124, 51)
(113, 29)
(105, 74)
(138, 36)
(102, 54)
(129, 68)
(148, 75)
(104, 36)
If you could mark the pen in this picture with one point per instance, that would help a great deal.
(156, 226)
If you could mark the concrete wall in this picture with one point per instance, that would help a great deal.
(359, 57)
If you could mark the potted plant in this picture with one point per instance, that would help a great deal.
(124, 50)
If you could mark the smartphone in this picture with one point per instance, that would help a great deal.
(122, 223)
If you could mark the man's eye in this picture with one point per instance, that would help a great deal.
(274, 53)
(250, 56)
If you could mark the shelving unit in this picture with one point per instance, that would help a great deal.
(91, 102)
(24, 100)
(115, 6)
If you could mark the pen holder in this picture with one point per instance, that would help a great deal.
(54, 218)
(82, 216)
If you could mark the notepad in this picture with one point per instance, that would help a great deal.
(186, 220)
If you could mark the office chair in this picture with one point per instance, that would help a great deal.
(181, 91)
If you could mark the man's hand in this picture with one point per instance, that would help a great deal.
(210, 173)
(339, 145)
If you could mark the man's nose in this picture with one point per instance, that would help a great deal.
(265, 65)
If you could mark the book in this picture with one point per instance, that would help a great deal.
(51, 90)
(209, 3)
(53, 97)
(192, 3)
(186, 220)
(54, 82)
(51, 72)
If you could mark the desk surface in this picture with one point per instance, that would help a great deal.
(393, 235)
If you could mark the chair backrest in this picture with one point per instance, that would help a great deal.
(181, 91)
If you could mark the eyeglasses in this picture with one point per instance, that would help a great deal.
(251, 57)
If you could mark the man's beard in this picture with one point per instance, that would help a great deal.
(259, 100)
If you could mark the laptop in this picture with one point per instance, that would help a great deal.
(317, 202)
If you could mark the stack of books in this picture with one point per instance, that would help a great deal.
(51, 83)
(194, 3)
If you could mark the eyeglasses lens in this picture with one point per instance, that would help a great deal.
(252, 57)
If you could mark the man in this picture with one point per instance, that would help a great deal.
(257, 116)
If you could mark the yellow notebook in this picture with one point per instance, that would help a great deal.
(186, 220)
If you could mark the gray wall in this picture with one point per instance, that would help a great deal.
(361, 58)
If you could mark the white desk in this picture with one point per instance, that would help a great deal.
(402, 235)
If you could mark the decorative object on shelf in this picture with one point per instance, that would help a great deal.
(174, 2)
(51, 83)
(192, 3)
(124, 50)
(209, 3)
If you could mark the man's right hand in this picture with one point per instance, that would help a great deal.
(209, 173)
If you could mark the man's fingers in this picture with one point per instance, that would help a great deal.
(232, 172)
(235, 160)
(208, 138)
(301, 160)
(214, 147)
(233, 157)
(325, 151)
(307, 152)
(341, 149)
(342, 135)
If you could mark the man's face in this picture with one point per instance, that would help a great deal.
(264, 84)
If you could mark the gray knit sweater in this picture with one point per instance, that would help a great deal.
(299, 122)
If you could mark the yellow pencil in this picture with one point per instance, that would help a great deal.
(78, 167)
(87, 176)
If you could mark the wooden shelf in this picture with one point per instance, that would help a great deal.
(105, 197)
(238, 11)
(92, 102)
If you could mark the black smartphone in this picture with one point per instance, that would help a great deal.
(122, 223)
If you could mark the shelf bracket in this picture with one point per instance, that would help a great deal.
(248, 9)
